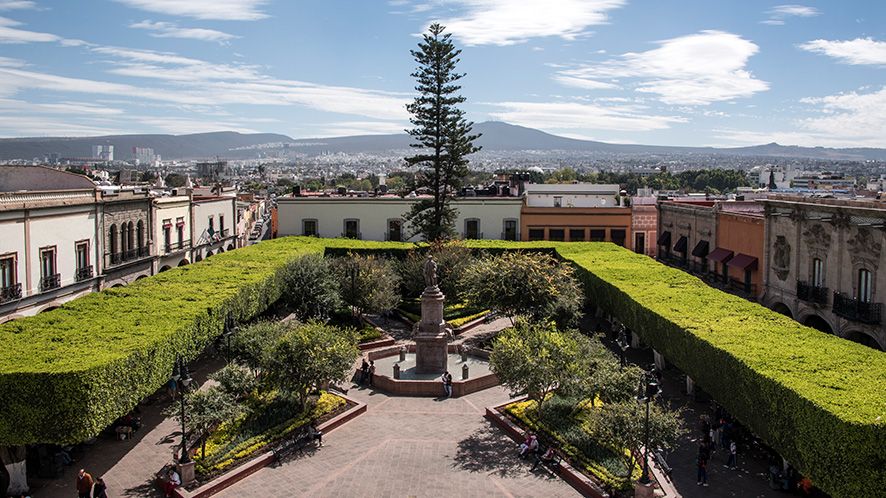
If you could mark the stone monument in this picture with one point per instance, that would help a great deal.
(431, 332)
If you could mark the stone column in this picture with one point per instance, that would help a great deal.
(431, 355)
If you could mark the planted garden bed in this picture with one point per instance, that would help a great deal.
(455, 314)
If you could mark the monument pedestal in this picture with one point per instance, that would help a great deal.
(432, 334)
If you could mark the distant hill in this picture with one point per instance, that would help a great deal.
(194, 146)
(497, 136)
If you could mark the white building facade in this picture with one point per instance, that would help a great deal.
(172, 231)
(214, 222)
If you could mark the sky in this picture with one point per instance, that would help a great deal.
(668, 72)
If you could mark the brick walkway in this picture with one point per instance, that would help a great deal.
(409, 447)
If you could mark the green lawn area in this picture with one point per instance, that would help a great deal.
(266, 421)
(569, 432)
(456, 314)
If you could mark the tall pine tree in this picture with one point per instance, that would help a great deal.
(442, 135)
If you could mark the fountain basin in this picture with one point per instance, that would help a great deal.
(412, 383)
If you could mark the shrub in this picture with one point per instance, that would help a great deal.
(452, 258)
(368, 284)
(310, 287)
(234, 380)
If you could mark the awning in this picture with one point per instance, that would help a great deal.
(743, 262)
(664, 239)
(701, 249)
(720, 255)
(682, 244)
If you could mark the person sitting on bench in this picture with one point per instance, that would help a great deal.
(549, 457)
(530, 445)
(314, 434)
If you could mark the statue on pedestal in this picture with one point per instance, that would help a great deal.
(430, 271)
(431, 332)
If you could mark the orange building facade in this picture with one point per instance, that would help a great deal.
(743, 234)
(577, 224)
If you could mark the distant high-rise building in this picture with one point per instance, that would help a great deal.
(103, 152)
(144, 155)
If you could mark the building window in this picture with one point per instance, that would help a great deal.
(472, 229)
(81, 251)
(352, 229)
(640, 242)
(140, 236)
(556, 234)
(167, 235)
(49, 279)
(130, 236)
(395, 230)
(598, 235)
(558, 201)
(211, 225)
(618, 236)
(577, 234)
(817, 273)
(7, 271)
(309, 228)
(221, 224)
(112, 241)
(510, 232)
(536, 234)
(865, 289)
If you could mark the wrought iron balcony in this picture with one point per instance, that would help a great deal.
(130, 254)
(811, 293)
(178, 246)
(10, 293)
(84, 273)
(226, 232)
(144, 252)
(855, 310)
(51, 282)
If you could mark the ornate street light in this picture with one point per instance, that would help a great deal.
(649, 389)
(184, 378)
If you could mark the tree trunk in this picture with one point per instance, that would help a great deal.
(13, 459)
(203, 446)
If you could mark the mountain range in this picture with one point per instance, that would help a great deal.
(497, 136)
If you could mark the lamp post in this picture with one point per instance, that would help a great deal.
(623, 345)
(185, 380)
(649, 389)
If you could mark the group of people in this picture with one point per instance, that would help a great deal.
(716, 434)
(87, 487)
(531, 446)
(367, 370)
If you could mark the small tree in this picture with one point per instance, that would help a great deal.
(367, 284)
(534, 285)
(252, 345)
(234, 380)
(537, 359)
(452, 258)
(311, 288)
(309, 355)
(622, 426)
(205, 410)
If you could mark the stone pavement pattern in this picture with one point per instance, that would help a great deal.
(406, 446)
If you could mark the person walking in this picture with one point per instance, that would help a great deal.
(100, 490)
(364, 371)
(447, 384)
(733, 451)
(84, 484)
(371, 371)
(702, 462)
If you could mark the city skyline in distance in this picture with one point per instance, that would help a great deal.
(685, 74)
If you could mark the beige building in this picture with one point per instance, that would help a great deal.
(826, 266)
(172, 231)
(381, 217)
(214, 222)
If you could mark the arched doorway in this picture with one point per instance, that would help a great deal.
(818, 323)
(141, 277)
(183, 262)
(783, 309)
(198, 258)
(862, 338)
(208, 253)
(220, 250)
(230, 247)
(117, 285)
(164, 268)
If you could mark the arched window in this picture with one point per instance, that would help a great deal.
(124, 242)
(865, 285)
(130, 236)
(112, 239)
(140, 231)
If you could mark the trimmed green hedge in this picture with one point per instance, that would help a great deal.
(68, 373)
(819, 400)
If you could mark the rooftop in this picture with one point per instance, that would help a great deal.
(41, 178)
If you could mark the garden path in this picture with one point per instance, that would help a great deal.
(405, 446)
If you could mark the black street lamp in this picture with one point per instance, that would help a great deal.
(230, 328)
(185, 381)
(623, 345)
(649, 389)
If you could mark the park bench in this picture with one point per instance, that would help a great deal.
(662, 463)
(299, 440)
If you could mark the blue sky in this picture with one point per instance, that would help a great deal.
(675, 72)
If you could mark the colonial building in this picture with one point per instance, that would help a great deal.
(214, 222)
(126, 236)
(575, 212)
(644, 225)
(825, 264)
(48, 248)
(172, 231)
(382, 217)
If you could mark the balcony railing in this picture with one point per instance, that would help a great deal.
(84, 273)
(178, 246)
(855, 310)
(116, 258)
(226, 232)
(10, 293)
(51, 282)
(811, 293)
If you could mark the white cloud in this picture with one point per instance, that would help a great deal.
(17, 125)
(559, 117)
(508, 22)
(579, 82)
(351, 128)
(779, 13)
(222, 10)
(857, 51)
(696, 69)
(17, 4)
(171, 30)
(10, 34)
